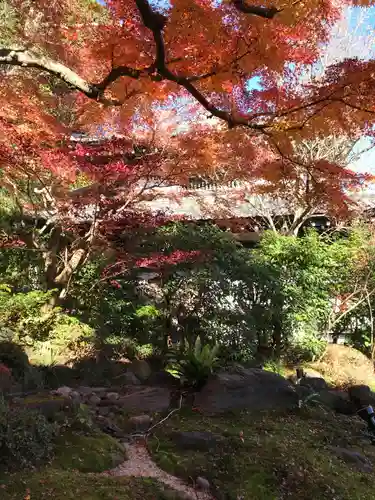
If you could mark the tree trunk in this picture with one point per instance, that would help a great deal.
(277, 335)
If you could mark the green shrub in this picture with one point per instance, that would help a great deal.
(305, 345)
(194, 363)
(26, 437)
(67, 339)
(274, 367)
(28, 314)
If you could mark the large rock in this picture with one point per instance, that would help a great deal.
(150, 399)
(337, 401)
(242, 389)
(361, 395)
(315, 383)
(141, 369)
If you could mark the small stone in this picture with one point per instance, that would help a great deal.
(75, 395)
(104, 411)
(202, 483)
(63, 391)
(140, 422)
(112, 396)
(94, 400)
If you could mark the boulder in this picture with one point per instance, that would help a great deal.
(150, 399)
(354, 458)
(141, 369)
(303, 391)
(336, 401)
(361, 395)
(315, 383)
(246, 389)
(196, 440)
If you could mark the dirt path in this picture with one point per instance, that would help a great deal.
(140, 463)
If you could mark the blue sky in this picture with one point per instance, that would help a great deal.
(360, 23)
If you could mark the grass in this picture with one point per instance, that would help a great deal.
(282, 456)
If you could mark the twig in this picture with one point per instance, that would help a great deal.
(165, 418)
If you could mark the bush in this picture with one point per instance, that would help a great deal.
(67, 340)
(305, 346)
(26, 437)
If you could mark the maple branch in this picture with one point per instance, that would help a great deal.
(26, 59)
(155, 23)
(157, 71)
(118, 72)
(255, 10)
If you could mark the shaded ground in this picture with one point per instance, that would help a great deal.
(70, 485)
(266, 456)
(280, 456)
(73, 473)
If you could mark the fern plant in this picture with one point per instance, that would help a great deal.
(194, 363)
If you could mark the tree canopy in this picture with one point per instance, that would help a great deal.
(169, 90)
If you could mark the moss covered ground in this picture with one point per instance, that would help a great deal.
(70, 475)
(60, 484)
(271, 456)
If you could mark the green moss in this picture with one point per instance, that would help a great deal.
(282, 455)
(70, 485)
(95, 453)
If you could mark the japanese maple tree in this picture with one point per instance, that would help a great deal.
(116, 65)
